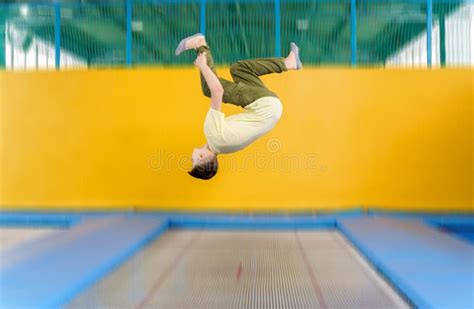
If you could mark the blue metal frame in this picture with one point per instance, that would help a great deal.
(353, 32)
(277, 29)
(442, 39)
(429, 21)
(128, 52)
(57, 34)
(202, 27)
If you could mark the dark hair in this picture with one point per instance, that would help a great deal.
(205, 170)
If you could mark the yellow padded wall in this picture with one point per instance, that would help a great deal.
(122, 138)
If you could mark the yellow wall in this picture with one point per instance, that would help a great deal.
(94, 139)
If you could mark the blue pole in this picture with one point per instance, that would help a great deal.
(128, 51)
(277, 29)
(442, 40)
(57, 35)
(429, 19)
(353, 33)
(202, 28)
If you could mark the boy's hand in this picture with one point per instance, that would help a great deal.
(201, 60)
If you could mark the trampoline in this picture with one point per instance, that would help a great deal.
(343, 260)
(243, 269)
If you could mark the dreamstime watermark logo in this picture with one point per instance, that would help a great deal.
(274, 159)
(273, 145)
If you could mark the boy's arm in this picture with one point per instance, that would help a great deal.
(212, 82)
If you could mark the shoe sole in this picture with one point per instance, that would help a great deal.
(182, 45)
(295, 49)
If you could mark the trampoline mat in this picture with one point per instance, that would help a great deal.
(243, 269)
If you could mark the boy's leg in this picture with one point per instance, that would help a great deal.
(229, 87)
(248, 71)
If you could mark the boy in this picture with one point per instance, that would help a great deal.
(262, 107)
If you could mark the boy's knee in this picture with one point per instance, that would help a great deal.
(236, 67)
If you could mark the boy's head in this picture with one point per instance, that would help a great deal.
(204, 163)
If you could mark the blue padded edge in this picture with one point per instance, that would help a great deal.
(114, 263)
(384, 263)
(405, 292)
(465, 215)
(14, 280)
(38, 220)
(260, 222)
(459, 225)
(453, 222)
(461, 228)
